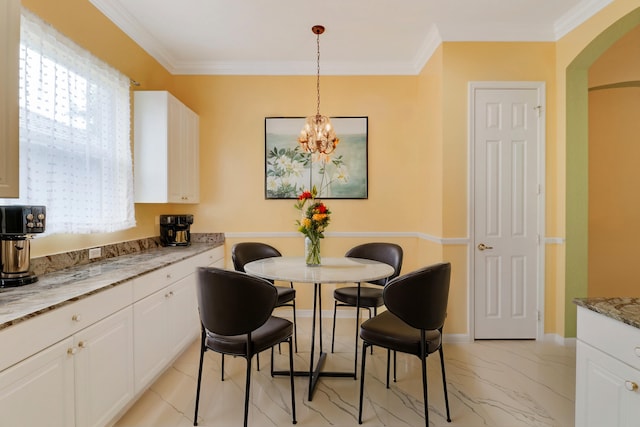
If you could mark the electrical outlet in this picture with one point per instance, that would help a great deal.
(95, 253)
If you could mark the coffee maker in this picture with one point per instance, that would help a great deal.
(18, 224)
(175, 230)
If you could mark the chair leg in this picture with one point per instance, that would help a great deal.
(291, 375)
(375, 313)
(246, 392)
(202, 350)
(394, 365)
(295, 327)
(333, 334)
(388, 359)
(444, 384)
(271, 362)
(222, 367)
(364, 357)
(424, 390)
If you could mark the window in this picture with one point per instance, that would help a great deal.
(75, 153)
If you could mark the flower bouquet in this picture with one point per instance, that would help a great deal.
(315, 218)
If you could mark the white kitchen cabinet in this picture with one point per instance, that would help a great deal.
(84, 380)
(166, 321)
(166, 149)
(164, 324)
(607, 372)
(104, 369)
(9, 144)
(77, 365)
(40, 390)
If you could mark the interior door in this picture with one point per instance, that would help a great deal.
(505, 140)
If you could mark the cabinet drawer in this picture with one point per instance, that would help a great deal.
(210, 257)
(26, 338)
(609, 335)
(149, 283)
(152, 282)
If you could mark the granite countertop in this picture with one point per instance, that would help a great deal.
(624, 309)
(53, 290)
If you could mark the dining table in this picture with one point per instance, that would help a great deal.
(332, 270)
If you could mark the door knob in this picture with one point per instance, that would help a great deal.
(482, 247)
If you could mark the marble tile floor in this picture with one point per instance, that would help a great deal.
(491, 383)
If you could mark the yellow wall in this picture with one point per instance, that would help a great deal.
(417, 147)
(614, 131)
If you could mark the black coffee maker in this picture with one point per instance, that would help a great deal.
(18, 224)
(175, 230)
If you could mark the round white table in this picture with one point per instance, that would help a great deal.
(332, 270)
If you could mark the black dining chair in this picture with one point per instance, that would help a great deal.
(245, 252)
(370, 296)
(416, 309)
(236, 315)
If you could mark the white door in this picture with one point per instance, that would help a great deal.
(506, 134)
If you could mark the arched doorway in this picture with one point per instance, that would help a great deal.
(577, 164)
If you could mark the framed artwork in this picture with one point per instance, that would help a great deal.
(289, 171)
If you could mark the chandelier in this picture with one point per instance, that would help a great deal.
(317, 135)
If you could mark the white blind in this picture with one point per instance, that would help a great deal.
(75, 153)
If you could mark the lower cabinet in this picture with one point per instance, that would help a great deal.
(101, 352)
(164, 324)
(104, 369)
(40, 390)
(606, 390)
(607, 372)
(84, 380)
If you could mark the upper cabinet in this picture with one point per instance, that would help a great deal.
(166, 145)
(9, 145)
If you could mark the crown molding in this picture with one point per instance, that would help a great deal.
(577, 15)
(436, 35)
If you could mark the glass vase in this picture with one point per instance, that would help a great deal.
(312, 251)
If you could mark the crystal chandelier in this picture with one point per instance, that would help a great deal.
(318, 135)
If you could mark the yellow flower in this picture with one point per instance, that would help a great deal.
(306, 222)
(319, 217)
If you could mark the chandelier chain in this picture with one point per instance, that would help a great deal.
(318, 74)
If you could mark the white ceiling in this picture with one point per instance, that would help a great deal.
(362, 37)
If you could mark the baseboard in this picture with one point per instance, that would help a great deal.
(560, 340)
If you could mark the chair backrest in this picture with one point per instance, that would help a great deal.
(233, 303)
(389, 253)
(420, 298)
(245, 252)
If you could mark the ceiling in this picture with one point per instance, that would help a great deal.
(362, 37)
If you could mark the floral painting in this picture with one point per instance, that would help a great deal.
(289, 170)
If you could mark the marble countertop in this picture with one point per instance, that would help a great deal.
(53, 290)
(626, 310)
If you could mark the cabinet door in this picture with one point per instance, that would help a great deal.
(183, 148)
(104, 369)
(150, 325)
(9, 146)
(606, 390)
(175, 149)
(191, 157)
(39, 391)
(183, 312)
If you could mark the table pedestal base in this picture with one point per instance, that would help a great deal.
(315, 370)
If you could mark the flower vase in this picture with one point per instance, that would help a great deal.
(312, 251)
